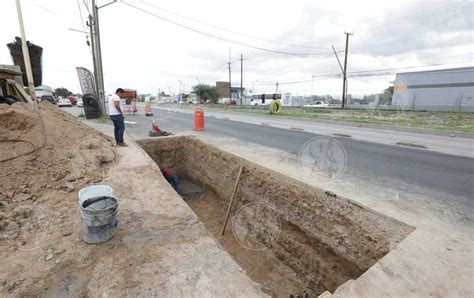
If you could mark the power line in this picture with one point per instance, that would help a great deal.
(80, 14)
(87, 6)
(407, 67)
(225, 39)
(364, 73)
(232, 31)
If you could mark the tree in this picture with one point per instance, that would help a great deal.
(389, 90)
(206, 92)
(63, 92)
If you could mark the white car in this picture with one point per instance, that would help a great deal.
(64, 102)
(79, 103)
(318, 104)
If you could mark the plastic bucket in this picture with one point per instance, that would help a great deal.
(94, 191)
(98, 219)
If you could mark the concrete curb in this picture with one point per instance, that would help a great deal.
(297, 128)
(343, 135)
(412, 145)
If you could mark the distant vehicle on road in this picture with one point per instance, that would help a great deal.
(64, 102)
(49, 98)
(72, 100)
(318, 104)
(263, 99)
(43, 90)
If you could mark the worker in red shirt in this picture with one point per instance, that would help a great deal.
(171, 176)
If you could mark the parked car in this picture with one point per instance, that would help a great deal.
(49, 98)
(72, 100)
(79, 103)
(64, 102)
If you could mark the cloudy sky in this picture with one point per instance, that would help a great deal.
(152, 45)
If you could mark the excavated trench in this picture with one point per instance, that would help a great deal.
(291, 238)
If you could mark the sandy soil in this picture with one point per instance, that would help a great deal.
(263, 266)
(38, 201)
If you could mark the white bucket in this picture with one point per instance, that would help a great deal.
(94, 191)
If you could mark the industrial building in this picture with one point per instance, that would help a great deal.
(435, 90)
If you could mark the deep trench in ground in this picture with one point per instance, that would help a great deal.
(289, 237)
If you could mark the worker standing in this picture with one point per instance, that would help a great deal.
(116, 115)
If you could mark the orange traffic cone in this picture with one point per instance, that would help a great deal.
(148, 111)
(155, 127)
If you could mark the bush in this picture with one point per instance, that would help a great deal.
(207, 92)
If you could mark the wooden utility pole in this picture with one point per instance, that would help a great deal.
(344, 83)
(26, 54)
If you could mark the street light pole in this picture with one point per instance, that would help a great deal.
(26, 54)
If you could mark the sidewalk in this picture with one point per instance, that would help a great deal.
(161, 248)
(423, 141)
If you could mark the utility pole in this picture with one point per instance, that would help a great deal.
(241, 78)
(93, 53)
(230, 78)
(26, 54)
(344, 84)
(98, 57)
(276, 87)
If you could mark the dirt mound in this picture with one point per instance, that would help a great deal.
(46, 156)
(15, 118)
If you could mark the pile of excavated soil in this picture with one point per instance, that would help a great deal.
(46, 156)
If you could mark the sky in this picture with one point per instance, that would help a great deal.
(153, 46)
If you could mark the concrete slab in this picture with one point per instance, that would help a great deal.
(189, 189)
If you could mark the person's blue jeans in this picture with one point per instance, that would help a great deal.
(119, 127)
(173, 179)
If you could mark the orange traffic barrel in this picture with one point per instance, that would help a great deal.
(148, 111)
(199, 120)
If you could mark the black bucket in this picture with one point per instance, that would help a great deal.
(98, 219)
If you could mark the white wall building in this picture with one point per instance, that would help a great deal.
(435, 90)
